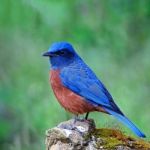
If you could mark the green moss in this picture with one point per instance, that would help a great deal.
(110, 139)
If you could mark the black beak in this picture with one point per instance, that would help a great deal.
(47, 54)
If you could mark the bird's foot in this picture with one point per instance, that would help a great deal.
(76, 119)
(84, 119)
(86, 116)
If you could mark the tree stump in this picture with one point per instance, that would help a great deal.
(83, 135)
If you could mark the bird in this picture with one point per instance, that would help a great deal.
(77, 88)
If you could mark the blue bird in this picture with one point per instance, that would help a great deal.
(77, 88)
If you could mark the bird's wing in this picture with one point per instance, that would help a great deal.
(84, 82)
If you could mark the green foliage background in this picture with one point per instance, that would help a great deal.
(112, 36)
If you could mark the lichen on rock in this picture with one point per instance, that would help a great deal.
(83, 135)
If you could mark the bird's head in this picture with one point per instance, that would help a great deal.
(60, 54)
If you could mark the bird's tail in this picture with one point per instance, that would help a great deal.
(127, 122)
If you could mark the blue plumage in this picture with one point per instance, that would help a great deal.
(79, 78)
(127, 122)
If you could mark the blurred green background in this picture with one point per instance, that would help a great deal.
(112, 36)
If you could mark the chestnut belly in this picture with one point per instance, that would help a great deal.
(68, 99)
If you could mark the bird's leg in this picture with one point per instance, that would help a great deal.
(76, 118)
(84, 119)
(86, 116)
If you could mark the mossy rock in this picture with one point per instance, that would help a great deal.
(83, 135)
(115, 139)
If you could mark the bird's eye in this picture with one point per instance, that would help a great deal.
(61, 52)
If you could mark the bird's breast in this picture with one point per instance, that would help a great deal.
(68, 99)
